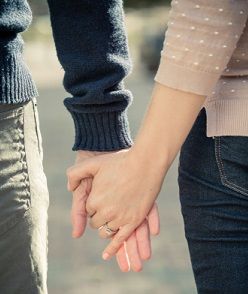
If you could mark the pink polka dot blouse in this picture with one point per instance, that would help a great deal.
(205, 52)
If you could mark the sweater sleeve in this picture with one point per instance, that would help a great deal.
(92, 47)
(199, 41)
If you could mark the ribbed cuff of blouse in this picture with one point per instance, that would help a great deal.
(227, 117)
(103, 131)
(184, 78)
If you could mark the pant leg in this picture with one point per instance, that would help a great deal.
(24, 202)
(213, 189)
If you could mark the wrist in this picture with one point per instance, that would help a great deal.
(166, 124)
(84, 154)
(148, 157)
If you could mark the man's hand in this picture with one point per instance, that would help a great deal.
(78, 211)
(137, 247)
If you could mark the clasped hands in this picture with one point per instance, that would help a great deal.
(118, 189)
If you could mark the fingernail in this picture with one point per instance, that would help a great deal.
(105, 256)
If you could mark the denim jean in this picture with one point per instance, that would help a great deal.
(213, 191)
(24, 202)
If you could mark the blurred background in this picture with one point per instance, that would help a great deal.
(75, 266)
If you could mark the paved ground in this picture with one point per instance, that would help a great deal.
(75, 266)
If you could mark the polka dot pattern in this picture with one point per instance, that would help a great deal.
(206, 52)
(204, 35)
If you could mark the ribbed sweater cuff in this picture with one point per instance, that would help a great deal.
(16, 83)
(101, 131)
(184, 78)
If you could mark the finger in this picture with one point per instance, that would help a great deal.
(102, 232)
(153, 220)
(89, 185)
(98, 220)
(78, 212)
(143, 240)
(133, 253)
(121, 236)
(81, 170)
(122, 258)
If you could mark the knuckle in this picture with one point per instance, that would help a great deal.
(108, 213)
(90, 205)
(78, 213)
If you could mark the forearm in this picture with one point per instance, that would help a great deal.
(168, 119)
(190, 66)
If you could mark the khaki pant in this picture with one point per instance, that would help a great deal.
(24, 202)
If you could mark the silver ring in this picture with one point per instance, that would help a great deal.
(108, 230)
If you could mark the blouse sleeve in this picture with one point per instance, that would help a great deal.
(199, 41)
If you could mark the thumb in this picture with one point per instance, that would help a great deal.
(88, 168)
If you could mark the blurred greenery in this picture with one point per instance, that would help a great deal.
(39, 7)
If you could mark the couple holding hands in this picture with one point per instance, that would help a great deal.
(115, 181)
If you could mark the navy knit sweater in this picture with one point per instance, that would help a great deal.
(92, 47)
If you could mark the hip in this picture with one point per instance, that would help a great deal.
(219, 161)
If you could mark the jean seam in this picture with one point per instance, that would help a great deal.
(223, 175)
(34, 105)
(24, 160)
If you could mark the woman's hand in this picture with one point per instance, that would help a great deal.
(138, 245)
(124, 189)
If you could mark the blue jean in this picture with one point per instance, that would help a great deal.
(213, 191)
